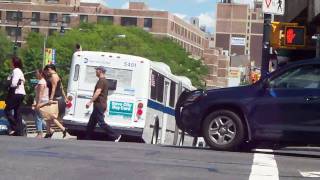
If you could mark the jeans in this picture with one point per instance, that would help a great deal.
(40, 123)
(97, 116)
(15, 119)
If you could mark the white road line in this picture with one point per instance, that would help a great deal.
(264, 167)
(310, 174)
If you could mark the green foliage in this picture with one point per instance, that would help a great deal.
(103, 37)
(5, 52)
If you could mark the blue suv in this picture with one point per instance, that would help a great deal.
(283, 107)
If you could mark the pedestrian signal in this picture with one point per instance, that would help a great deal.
(294, 36)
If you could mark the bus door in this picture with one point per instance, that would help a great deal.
(166, 94)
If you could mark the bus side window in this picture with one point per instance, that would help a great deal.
(172, 94)
(76, 72)
(153, 94)
(160, 87)
(157, 85)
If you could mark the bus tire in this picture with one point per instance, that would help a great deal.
(155, 133)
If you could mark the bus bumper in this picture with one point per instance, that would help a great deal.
(79, 129)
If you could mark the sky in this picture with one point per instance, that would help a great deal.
(205, 10)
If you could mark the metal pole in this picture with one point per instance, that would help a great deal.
(318, 46)
(266, 46)
(16, 35)
(44, 50)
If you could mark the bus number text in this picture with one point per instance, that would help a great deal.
(129, 64)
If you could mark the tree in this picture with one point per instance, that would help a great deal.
(5, 52)
(103, 37)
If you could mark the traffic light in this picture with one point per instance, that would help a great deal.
(294, 36)
(275, 37)
(287, 35)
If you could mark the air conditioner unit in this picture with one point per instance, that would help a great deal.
(33, 23)
(6, 21)
(0, 21)
(146, 28)
(54, 24)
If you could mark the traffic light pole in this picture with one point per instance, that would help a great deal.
(266, 46)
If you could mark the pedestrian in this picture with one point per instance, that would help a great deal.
(99, 101)
(42, 97)
(56, 92)
(57, 99)
(14, 99)
(78, 47)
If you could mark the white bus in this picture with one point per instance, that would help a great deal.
(141, 99)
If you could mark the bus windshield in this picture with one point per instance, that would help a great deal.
(123, 76)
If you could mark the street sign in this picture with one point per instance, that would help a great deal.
(50, 56)
(276, 7)
(238, 41)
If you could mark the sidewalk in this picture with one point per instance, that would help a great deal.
(56, 135)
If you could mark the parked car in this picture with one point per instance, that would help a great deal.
(283, 107)
(4, 123)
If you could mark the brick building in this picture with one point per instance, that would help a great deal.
(239, 30)
(72, 13)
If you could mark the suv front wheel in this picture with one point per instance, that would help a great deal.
(223, 130)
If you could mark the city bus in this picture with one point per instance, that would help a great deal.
(141, 97)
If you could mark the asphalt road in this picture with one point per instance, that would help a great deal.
(32, 159)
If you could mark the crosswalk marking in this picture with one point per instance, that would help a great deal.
(264, 167)
(310, 174)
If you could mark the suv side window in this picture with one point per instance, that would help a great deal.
(303, 77)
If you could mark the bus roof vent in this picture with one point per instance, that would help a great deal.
(163, 66)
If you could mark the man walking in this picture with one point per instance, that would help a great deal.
(99, 101)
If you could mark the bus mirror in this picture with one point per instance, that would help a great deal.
(112, 84)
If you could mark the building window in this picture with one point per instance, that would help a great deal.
(13, 15)
(129, 21)
(83, 18)
(36, 30)
(52, 31)
(148, 23)
(66, 18)
(35, 17)
(105, 19)
(13, 31)
(172, 26)
(53, 17)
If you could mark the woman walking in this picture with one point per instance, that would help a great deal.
(41, 98)
(57, 99)
(16, 93)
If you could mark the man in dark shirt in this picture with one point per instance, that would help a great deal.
(99, 101)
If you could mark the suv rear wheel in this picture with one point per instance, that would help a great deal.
(223, 130)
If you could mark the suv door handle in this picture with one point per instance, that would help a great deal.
(312, 98)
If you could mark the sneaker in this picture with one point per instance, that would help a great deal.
(118, 139)
(64, 133)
